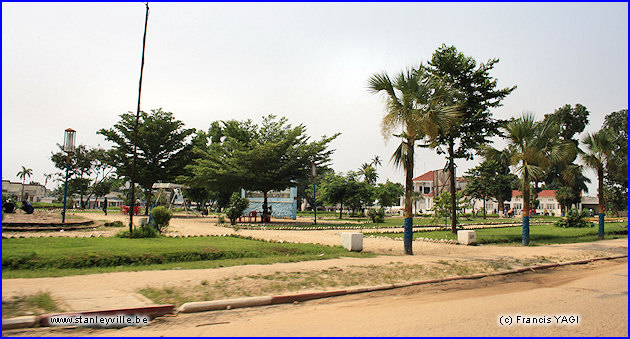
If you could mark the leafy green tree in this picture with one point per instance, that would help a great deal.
(415, 104)
(489, 180)
(442, 205)
(389, 193)
(163, 148)
(535, 147)
(269, 157)
(564, 175)
(23, 174)
(616, 173)
(596, 156)
(478, 94)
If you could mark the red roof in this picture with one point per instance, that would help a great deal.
(543, 193)
(425, 177)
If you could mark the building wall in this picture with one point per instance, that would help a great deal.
(283, 204)
(32, 193)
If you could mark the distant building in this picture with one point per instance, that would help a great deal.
(32, 192)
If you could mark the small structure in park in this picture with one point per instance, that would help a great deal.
(283, 203)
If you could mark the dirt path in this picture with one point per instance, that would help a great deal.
(596, 293)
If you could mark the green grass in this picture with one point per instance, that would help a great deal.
(38, 257)
(35, 304)
(538, 234)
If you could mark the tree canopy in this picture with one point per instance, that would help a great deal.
(478, 92)
(267, 157)
(163, 147)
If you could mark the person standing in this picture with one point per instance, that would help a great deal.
(105, 205)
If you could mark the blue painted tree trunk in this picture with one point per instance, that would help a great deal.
(525, 230)
(408, 236)
(600, 232)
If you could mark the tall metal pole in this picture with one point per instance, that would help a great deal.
(65, 190)
(135, 130)
(314, 170)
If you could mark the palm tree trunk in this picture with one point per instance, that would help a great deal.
(525, 233)
(451, 168)
(22, 194)
(408, 224)
(600, 197)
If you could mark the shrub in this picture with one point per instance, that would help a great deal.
(377, 215)
(146, 231)
(161, 216)
(236, 207)
(113, 224)
(574, 219)
(221, 219)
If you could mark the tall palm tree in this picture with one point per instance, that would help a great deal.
(599, 146)
(413, 105)
(368, 173)
(376, 162)
(23, 174)
(536, 147)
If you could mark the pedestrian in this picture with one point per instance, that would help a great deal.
(27, 207)
(9, 206)
(105, 205)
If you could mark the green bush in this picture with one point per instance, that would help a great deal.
(146, 231)
(161, 216)
(574, 219)
(236, 207)
(221, 219)
(377, 215)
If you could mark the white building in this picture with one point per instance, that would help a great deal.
(32, 192)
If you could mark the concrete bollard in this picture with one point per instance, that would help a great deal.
(466, 237)
(352, 241)
(144, 221)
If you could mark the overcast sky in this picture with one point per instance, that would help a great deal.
(77, 65)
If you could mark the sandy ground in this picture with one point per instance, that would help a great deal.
(596, 293)
(113, 290)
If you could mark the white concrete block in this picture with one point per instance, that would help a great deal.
(352, 241)
(466, 237)
(144, 221)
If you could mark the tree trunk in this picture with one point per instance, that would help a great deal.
(265, 206)
(408, 223)
(451, 168)
(501, 207)
(600, 197)
(525, 233)
(341, 210)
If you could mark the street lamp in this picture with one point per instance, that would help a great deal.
(314, 169)
(68, 147)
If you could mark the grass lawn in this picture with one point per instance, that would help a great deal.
(538, 234)
(39, 257)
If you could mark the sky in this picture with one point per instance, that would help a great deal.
(77, 65)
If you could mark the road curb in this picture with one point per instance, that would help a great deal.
(285, 299)
(203, 306)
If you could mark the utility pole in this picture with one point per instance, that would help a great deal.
(135, 130)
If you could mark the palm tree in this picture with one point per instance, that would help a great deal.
(376, 162)
(47, 176)
(23, 174)
(599, 146)
(536, 147)
(413, 105)
(368, 173)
